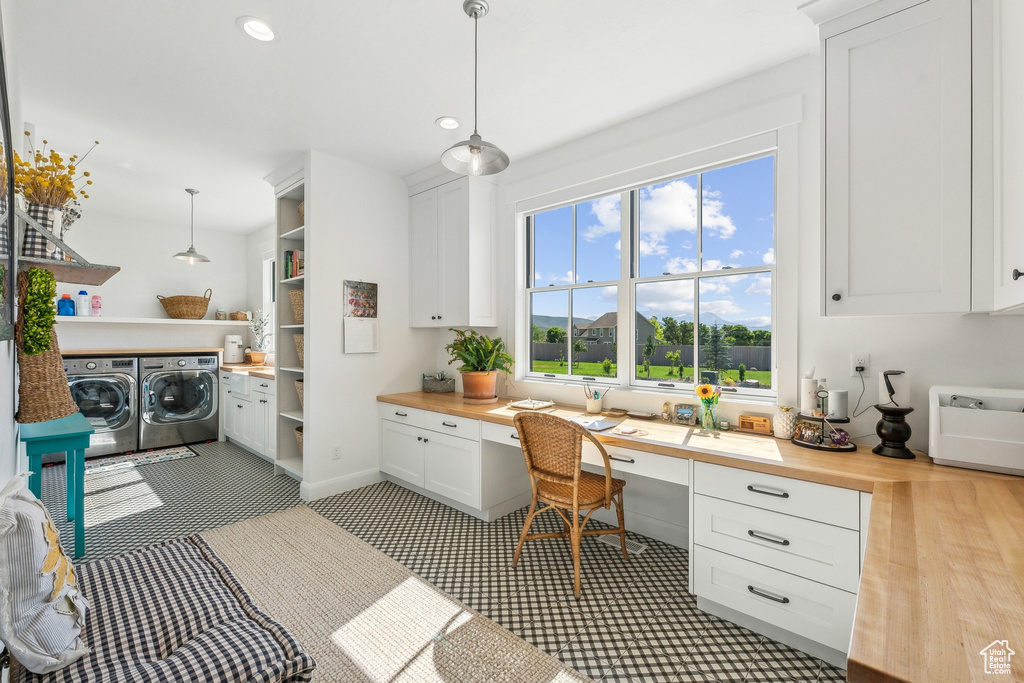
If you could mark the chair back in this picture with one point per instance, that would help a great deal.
(553, 448)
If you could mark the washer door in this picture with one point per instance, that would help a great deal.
(106, 401)
(179, 396)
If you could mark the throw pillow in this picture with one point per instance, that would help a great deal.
(42, 611)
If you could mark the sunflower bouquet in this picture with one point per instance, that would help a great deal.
(708, 396)
(48, 179)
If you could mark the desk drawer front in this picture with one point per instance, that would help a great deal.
(828, 504)
(262, 385)
(821, 552)
(501, 434)
(395, 413)
(664, 467)
(462, 427)
(820, 613)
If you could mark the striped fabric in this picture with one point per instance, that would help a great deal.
(175, 612)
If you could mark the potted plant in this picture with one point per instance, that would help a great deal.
(260, 327)
(482, 359)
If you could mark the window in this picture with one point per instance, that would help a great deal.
(690, 259)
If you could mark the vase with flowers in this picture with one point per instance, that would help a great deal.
(260, 328)
(52, 187)
(708, 396)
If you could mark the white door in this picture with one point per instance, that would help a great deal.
(424, 261)
(238, 420)
(259, 423)
(898, 163)
(452, 468)
(1008, 53)
(401, 451)
(453, 218)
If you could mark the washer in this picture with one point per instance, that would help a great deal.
(177, 400)
(106, 391)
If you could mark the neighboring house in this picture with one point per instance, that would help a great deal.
(602, 330)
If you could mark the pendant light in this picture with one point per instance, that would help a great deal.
(475, 156)
(192, 256)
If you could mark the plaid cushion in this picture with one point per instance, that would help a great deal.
(175, 612)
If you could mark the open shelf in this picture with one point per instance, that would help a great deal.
(293, 465)
(298, 234)
(148, 321)
(298, 279)
(292, 327)
(298, 370)
(293, 415)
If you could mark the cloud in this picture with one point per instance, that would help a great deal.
(671, 297)
(756, 321)
(609, 218)
(722, 307)
(716, 285)
(736, 253)
(681, 264)
(762, 285)
(665, 209)
(769, 256)
(714, 218)
(713, 264)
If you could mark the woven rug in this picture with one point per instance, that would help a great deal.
(116, 462)
(363, 616)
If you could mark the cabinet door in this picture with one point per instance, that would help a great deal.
(271, 408)
(1008, 53)
(898, 163)
(238, 420)
(259, 422)
(225, 399)
(401, 451)
(453, 220)
(451, 467)
(424, 261)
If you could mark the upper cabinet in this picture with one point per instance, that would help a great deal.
(898, 160)
(451, 257)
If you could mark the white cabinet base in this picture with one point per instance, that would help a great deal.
(488, 514)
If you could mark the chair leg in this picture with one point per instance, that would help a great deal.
(575, 535)
(622, 524)
(526, 528)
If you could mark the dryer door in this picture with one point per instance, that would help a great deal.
(177, 396)
(106, 401)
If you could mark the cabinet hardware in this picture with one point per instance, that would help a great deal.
(425, 439)
(515, 436)
(445, 424)
(766, 594)
(433, 317)
(1016, 274)
(629, 460)
(438, 317)
(765, 537)
(419, 438)
(837, 296)
(401, 414)
(766, 492)
(239, 405)
(264, 385)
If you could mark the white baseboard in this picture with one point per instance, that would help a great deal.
(660, 529)
(330, 487)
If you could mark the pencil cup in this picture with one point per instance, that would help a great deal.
(593, 406)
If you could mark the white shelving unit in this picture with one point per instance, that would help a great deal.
(148, 321)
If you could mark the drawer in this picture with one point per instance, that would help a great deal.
(261, 385)
(396, 413)
(829, 504)
(664, 467)
(500, 433)
(821, 613)
(462, 427)
(813, 550)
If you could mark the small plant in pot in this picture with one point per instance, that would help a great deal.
(482, 359)
(260, 327)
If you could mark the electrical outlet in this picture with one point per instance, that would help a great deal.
(860, 360)
(336, 453)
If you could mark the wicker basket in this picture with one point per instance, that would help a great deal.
(298, 390)
(302, 212)
(300, 342)
(186, 307)
(298, 437)
(237, 315)
(298, 299)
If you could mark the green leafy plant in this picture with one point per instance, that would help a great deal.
(260, 326)
(606, 365)
(37, 311)
(478, 352)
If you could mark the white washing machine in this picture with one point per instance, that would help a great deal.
(177, 400)
(106, 391)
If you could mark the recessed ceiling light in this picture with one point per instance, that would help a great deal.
(255, 27)
(448, 122)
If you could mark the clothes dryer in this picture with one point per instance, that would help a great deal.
(106, 391)
(177, 400)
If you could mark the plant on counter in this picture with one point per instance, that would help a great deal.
(478, 352)
(260, 327)
(37, 313)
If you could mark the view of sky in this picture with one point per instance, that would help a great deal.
(736, 219)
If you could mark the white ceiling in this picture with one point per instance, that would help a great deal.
(179, 97)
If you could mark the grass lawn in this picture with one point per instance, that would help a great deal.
(657, 372)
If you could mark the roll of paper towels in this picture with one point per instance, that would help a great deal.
(808, 396)
(839, 403)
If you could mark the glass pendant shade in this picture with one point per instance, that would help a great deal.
(474, 156)
(191, 255)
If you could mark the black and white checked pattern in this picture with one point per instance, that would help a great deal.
(639, 622)
(175, 612)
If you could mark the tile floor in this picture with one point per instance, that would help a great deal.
(634, 622)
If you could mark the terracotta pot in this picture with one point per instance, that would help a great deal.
(480, 387)
(258, 357)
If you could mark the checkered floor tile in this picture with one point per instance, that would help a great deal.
(635, 621)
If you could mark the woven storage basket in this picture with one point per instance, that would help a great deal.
(186, 307)
(300, 342)
(302, 212)
(298, 437)
(298, 390)
(237, 315)
(298, 299)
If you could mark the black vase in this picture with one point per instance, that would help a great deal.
(894, 432)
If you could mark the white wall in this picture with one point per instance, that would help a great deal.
(358, 229)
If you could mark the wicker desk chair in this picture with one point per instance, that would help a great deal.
(553, 448)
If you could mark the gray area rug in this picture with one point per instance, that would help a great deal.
(363, 616)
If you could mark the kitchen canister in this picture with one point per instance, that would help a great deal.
(839, 404)
(808, 395)
(784, 423)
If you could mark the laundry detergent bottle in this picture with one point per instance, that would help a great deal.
(82, 305)
(65, 305)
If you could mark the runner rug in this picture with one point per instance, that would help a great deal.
(116, 462)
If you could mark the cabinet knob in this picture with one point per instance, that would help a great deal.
(425, 439)
(433, 317)
(438, 317)
(1016, 274)
(419, 438)
(837, 296)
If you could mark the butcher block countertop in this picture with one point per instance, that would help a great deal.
(139, 352)
(943, 574)
(261, 371)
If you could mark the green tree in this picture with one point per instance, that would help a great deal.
(556, 335)
(672, 332)
(673, 360)
(648, 353)
(742, 369)
(578, 347)
(607, 366)
(760, 338)
(716, 350)
(738, 334)
(685, 334)
(538, 334)
(659, 332)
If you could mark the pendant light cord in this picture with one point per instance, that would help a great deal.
(192, 222)
(476, 59)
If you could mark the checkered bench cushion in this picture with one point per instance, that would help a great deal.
(175, 612)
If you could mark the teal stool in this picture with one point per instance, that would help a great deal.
(70, 434)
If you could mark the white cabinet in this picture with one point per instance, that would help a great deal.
(239, 423)
(401, 451)
(451, 468)
(248, 412)
(898, 155)
(264, 403)
(451, 255)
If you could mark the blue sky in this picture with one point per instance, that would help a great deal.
(737, 207)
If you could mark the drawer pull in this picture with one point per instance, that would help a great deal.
(514, 436)
(264, 385)
(401, 414)
(629, 460)
(445, 424)
(761, 536)
(425, 439)
(765, 594)
(419, 438)
(766, 492)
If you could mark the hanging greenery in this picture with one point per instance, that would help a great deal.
(37, 312)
